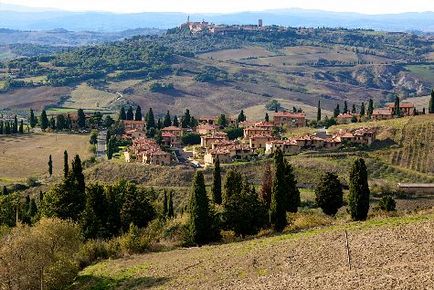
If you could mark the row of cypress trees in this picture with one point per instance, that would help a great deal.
(14, 127)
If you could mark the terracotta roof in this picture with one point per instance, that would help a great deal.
(291, 115)
(383, 111)
(401, 105)
(345, 116)
(171, 128)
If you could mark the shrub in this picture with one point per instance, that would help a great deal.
(329, 196)
(387, 203)
(95, 250)
(134, 242)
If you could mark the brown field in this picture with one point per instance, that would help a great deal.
(27, 156)
(36, 98)
(236, 54)
(386, 253)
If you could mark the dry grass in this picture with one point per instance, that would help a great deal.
(86, 97)
(237, 54)
(27, 156)
(387, 253)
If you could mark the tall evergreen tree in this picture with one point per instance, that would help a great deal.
(61, 122)
(397, 107)
(110, 146)
(122, 114)
(50, 166)
(232, 185)
(362, 109)
(278, 196)
(329, 196)
(358, 199)
(431, 103)
(44, 120)
(292, 194)
(175, 121)
(267, 118)
(217, 183)
(370, 108)
(159, 124)
(52, 123)
(81, 122)
(2, 126)
(186, 119)
(32, 119)
(5, 190)
(150, 120)
(21, 127)
(337, 111)
(167, 120)
(15, 125)
(241, 117)
(318, 113)
(65, 164)
(165, 204)
(222, 121)
(354, 110)
(130, 113)
(170, 209)
(345, 107)
(7, 127)
(138, 115)
(94, 218)
(193, 122)
(200, 217)
(267, 185)
(77, 174)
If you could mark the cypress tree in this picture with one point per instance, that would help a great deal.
(217, 183)
(337, 111)
(354, 110)
(193, 122)
(5, 190)
(170, 209)
(165, 204)
(318, 114)
(2, 131)
(167, 120)
(362, 109)
(267, 118)
(186, 119)
(241, 117)
(278, 195)
(329, 196)
(397, 110)
(65, 164)
(32, 119)
(15, 125)
(222, 121)
(358, 199)
(345, 107)
(81, 122)
(52, 123)
(200, 220)
(7, 128)
(95, 215)
(21, 128)
(292, 194)
(370, 108)
(50, 166)
(138, 115)
(431, 103)
(150, 120)
(175, 121)
(159, 124)
(110, 149)
(232, 185)
(122, 114)
(44, 120)
(267, 186)
(77, 173)
(60, 122)
(130, 113)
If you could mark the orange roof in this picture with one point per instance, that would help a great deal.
(401, 105)
(171, 128)
(291, 115)
(383, 111)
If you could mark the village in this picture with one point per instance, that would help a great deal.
(259, 139)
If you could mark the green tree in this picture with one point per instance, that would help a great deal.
(44, 120)
(358, 199)
(354, 110)
(32, 120)
(65, 164)
(130, 113)
(94, 218)
(170, 209)
(81, 122)
(186, 119)
(318, 114)
(267, 118)
(150, 120)
(397, 108)
(52, 123)
(77, 175)
(279, 194)
(329, 196)
(167, 120)
(175, 121)
(362, 109)
(200, 223)
(232, 185)
(337, 111)
(60, 122)
(110, 147)
(7, 128)
(293, 194)
(138, 115)
(50, 166)
(217, 183)
(370, 108)
(267, 186)
(165, 204)
(122, 114)
(190, 139)
(15, 125)
(21, 127)
(345, 107)
(241, 117)
(387, 203)
(1, 127)
(136, 208)
(222, 121)
(93, 138)
(431, 103)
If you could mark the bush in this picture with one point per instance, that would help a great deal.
(387, 203)
(95, 250)
(191, 139)
(134, 242)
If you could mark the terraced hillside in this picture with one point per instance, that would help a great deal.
(391, 253)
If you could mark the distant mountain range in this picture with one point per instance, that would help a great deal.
(25, 18)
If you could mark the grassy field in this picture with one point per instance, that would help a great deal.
(386, 253)
(425, 72)
(86, 97)
(27, 155)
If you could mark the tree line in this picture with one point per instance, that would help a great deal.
(12, 127)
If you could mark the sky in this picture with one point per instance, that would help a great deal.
(228, 6)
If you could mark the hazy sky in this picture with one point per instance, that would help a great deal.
(192, 6)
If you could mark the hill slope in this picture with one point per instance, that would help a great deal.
(393, 253)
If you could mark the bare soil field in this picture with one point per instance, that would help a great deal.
(36, 98)
(27, 156)
(386, 253)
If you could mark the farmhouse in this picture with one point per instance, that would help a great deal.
(133, 125)
(229, 152)
(290, 120)
(209, 141)
(382, 114)
(286, 146)
(259, 141)
(347, 118)
(170, 139)
(206, 129)
(256, 131)
(148, 151)
(407, 109)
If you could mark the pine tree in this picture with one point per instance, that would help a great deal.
(65, 164)
(222, 121)
(397, 110)
(175, 121)
(159, 124)
(50, 166)
(52, 123)
(193, 122)
(77, 173)
(15, 125)
(130, 113)
(329, 196)
(232, 185)
(267, 118)
(358, 199)
(81, 122)
(21, 128)
(200, 217)
(362, 109)
(370, 108)
(278, 196)
(165, 204)
(431, 103)
(217, 183)
(170, 209)
(95, 215)
(44, 120)
(32, 119)
(354, 110)
(337, 111)
(122, 114)
(138, 115)
(241, 117)
(292, 194)
(150, 120)
(267, 186)
(167, 120)
(318, 114)
(345, 107)
(186, 119)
